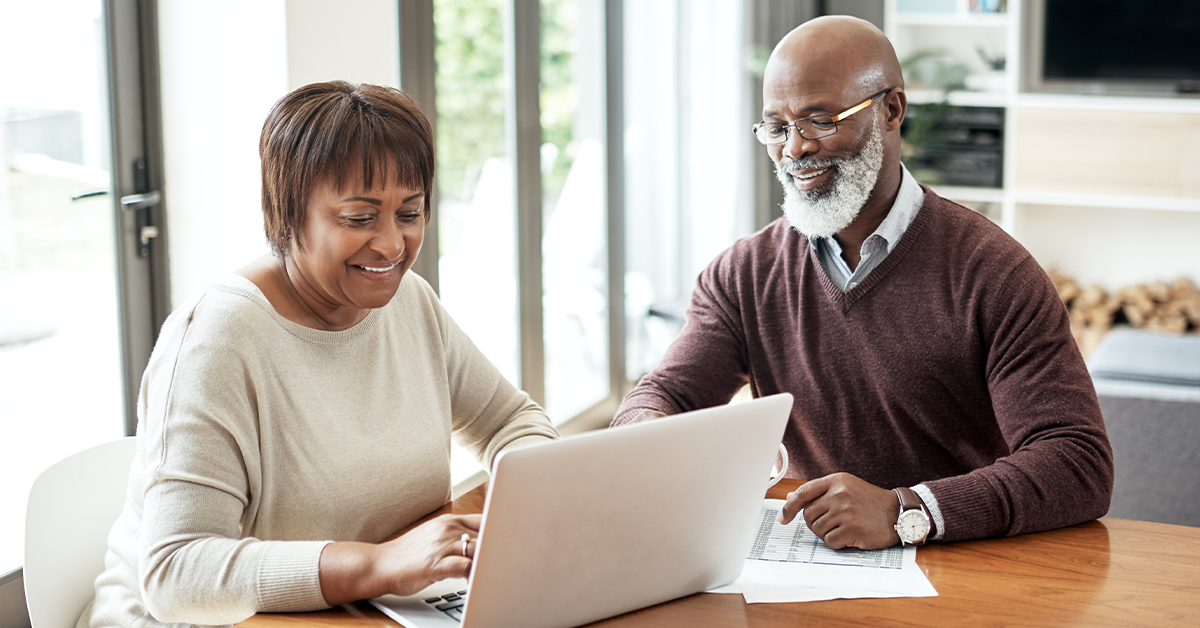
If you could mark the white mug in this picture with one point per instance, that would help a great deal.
(782, 468)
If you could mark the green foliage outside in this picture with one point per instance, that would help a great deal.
(471, 83)
(559, 94)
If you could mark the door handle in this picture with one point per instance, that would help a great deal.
(141, 201)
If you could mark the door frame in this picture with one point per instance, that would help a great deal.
(143, 280)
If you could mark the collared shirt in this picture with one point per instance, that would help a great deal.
(881, 242)
(874, 250)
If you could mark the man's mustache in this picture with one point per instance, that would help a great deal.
(788, 166)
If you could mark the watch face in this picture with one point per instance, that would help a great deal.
(913, 525)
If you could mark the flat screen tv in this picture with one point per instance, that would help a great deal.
(1116, 45)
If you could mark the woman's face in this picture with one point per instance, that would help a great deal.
(358, 243)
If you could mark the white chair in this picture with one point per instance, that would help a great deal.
(72, 507)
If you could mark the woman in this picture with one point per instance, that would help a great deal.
(299, 412)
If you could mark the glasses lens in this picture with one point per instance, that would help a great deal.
(770, 133)
(816, 127)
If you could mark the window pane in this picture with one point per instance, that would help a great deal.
(477, 270)
(477, 226)
(574, 247)
(60, 364)
(688, 156)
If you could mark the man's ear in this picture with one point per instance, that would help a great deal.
(896, 106)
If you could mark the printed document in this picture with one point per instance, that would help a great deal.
(790, 564)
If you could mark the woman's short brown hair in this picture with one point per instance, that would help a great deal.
(324, 130)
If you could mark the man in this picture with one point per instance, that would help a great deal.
(938, 392)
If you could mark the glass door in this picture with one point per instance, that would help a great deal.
(476, 217)
(64, 358)
(574, 245)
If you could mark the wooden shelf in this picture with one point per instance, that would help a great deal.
(970, 194)
(908, 18)
(958, 98)
(1114, 201)
(1071, 187)
(1094, 102)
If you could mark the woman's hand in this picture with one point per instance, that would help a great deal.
(430, 552)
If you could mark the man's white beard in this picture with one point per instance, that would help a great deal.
(824, 212)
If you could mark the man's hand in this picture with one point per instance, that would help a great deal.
(845, 511)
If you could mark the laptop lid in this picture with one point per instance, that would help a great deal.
(599, 524)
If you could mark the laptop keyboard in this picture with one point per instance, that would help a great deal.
(451, 604)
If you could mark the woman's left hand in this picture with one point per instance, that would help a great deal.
(430, 552)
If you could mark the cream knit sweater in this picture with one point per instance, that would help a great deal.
(260, 440)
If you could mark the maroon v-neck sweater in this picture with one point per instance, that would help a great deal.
(951, 364)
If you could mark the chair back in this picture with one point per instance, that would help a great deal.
(72, 507)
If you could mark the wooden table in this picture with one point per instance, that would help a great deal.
(1108, 572)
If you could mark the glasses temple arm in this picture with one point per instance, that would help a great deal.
(851, 111)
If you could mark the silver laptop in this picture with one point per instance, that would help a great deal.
(603, 523)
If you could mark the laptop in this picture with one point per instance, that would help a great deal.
(591, 526)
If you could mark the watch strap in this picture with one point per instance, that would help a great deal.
(909, 500)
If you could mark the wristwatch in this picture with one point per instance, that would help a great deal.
(913, 525)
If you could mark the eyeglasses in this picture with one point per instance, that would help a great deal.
(812, 127)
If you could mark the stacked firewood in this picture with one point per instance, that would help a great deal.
(1158, 306)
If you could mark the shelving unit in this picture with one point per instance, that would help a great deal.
(960, 17)
(1121, 172)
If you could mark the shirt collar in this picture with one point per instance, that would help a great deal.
(900, 216)
(908, 200)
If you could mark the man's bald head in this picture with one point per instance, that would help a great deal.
(843, 48)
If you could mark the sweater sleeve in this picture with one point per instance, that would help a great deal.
(489, 414)
(196, 570)
(1059, 471)
(200, 450)
(707, 363)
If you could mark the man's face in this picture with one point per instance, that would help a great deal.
(826, 182)
(822, 210)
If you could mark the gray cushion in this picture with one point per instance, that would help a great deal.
(1144, 356)
(1156, 452)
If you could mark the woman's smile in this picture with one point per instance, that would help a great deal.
(378, 271)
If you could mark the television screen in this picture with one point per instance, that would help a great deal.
(1157, 40)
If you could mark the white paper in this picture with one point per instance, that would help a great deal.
(790, 564)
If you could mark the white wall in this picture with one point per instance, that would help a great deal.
(354, 41)
(220, 77)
